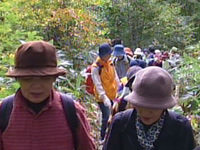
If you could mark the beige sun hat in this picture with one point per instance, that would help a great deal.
(152, 88)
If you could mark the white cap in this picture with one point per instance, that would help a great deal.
(138, 51)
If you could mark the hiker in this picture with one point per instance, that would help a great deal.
(121, 60)
(150, 125)
(138, 59)
(150, 58)
(165, 63)
(146, 54)
(106, 83)
(116, 41)
(128, 51)
(128, 87)
(151, 50)
(174, 57)
(120, 104)
(138, 54)
(157, 58)
(37, 117)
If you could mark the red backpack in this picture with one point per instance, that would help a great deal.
(89, 82)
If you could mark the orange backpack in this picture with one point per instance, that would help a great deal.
(89, 82)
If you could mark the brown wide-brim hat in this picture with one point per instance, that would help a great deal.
(152, 88)
(36, 58)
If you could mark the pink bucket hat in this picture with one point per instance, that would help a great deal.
(36, 58)
(152, 88)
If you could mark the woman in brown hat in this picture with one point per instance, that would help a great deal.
(150, 125)
(37, 118)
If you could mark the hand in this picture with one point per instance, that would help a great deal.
(107, 102)
(115, 108)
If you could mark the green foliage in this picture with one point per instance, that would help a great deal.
(9, 89)
(10, 28)
(144, 22)
(10, 34)
(68, 23)
(187, 76)
(72, 84)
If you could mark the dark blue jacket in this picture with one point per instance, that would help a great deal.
(138, 62)
(176, 133)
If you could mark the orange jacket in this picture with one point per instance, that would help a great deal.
(108, 82)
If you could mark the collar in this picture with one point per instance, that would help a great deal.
(103, 63)
(21, 101)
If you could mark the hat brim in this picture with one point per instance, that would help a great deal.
(47, 71)
(130, 81)
(118, 53)
(138, 53)
(164, 103)
(106, 54)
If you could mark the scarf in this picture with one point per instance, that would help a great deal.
(146, 139)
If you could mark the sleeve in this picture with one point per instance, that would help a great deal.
(113, 138)
(117, 78)
(85, 140)
(186, 139)
(97, 82)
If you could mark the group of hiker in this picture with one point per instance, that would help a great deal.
(138, 78)
(38, 117)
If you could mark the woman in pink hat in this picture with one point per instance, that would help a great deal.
(150, 125)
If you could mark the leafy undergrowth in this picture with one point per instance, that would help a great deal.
(94, 117)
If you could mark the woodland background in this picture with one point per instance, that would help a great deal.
(77, 27)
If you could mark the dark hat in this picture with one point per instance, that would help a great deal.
(151, 48)
(116, 41)
(145, 50)
(132, 71)
(36, 58)
(104, 50)
(152, 88)
(138, 62)
(119, 50)
(131, 74)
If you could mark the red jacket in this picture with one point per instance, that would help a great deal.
(47, 130)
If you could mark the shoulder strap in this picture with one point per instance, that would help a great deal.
(114, 61)
(70, 114)
(129, 59)
(99, 67)
(5, 111)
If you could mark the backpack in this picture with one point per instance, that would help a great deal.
(89, 82)
(68, 106)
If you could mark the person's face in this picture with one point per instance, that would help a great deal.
(36, 89)
(149, 116)
(106, 58)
